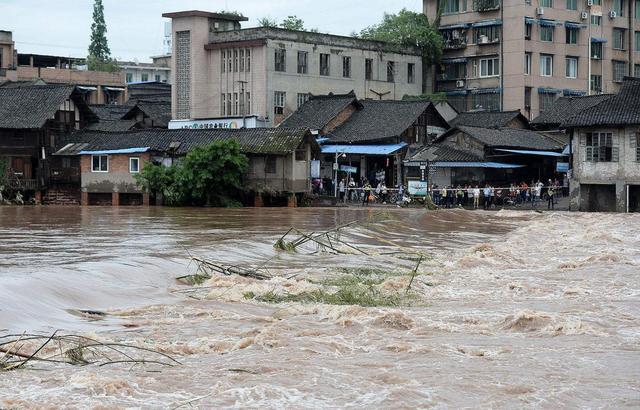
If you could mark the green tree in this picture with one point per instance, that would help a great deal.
(293, 23)
(408, 28)
(231, 13)
(99, 58)
(267, 22)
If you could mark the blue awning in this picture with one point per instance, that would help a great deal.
(454, 61)
(531, 20)
(486, 91)
(567, 150)
(495, 165)
(562, 167)
(458, 92)
(548, 23)
(548, 90)
(363, 149)
(116, 151)
(570, 24)
(486, 23)
(567, 92)
(528, 152)
(598, 40)
(321, 140)
(453, 26)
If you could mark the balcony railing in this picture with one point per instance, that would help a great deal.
(455, 44)
(22, 184)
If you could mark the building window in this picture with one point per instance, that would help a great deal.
(636, 70)
(391, 71)
(223, 61)
(99, 163)
(303, 58)
(637, 9)
(346, 67)
(599, 147)
(489, 67)
(489, 102)
(527, 63)
(145, 77)
(129, 75)
(229, 105)
(411, 73)
(546, 65)
(635, 144)
(483, 5)
(527, 30)
(486, 35)
(456, 71)
(596, 50)
(270, 164)
(546, 33)
(368, 69)
(302, 98)
(546, 3)
(596, 83)
(248, 62)
(572, 35)
(279, 101)
(451, 6)
(637, 42)
(619, 70)
(324, 64)
(242, 111)
(223, 105)
(527, 98)
(281, 60)
(242, 60)
(236, 64)
(596, 20)
(235, 104)
(618, 7)
(571, 67)
(618, 38)
(247, 101)
(157, 78)
(546, 101)
(134, 165)
(572, 4)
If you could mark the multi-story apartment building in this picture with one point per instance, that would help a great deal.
(524, 54)
(158, 71)
(8, 57)
(222, 70)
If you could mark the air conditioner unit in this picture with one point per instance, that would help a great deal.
(613, 14)
(589, 3)
(460, 83)
(483, 40)
(540, 11)
(584, 15)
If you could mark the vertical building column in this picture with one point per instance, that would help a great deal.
(258, 202)
(292, 201)
(115, 198)
(145, 199)
(84, 198)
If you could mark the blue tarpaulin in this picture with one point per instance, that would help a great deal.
(570, 24)
(486, 23)
(496, 165)
(363, 149)
(116, 151)
(562, 167)
(321, 140)
(528, 152)
(598, 40)
(567, 150)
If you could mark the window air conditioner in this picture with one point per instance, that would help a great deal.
(484, 40)
(613, 14)
(584, 15)
(540, 11)
(589, 3)
(460, 83)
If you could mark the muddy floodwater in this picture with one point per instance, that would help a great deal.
(504, 310)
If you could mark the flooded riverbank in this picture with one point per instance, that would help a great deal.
(510, 309)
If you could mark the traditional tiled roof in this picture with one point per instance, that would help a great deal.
(110, 112)
(487, 119)
(621, 109)
(508, 138)
(565, 108)
(379, 120)
(112, 125)
(148, 91)
(319, 111)
(254, 140)
(445, 153)
(158, 111)
(30, 107)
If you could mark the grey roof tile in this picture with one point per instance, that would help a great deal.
(319, 111)
(487, 119)
(29, 107)
(510, 138)
(565, 108)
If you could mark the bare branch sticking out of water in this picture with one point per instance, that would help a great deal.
(20, 350)
(208, 267)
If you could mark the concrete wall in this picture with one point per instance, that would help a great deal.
(118, 179)
(290, 176)
(622, 173)
(136, 72)
(514, 47)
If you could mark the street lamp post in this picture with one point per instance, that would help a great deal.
(335, 173)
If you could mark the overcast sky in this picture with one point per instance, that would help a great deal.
(136, 27)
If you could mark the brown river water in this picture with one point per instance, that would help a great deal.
(508, 310)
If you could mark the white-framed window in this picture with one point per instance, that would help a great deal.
(223, 61)
(302, 98)
(619, 70)
(247, 66)
(596, 83)
(572, 4)
(546, 33)
(571, 67)
(596, 20)
(134, 165)
(157, 77)
(223, 105)
(546, 65)
(596, 50)
(634, 144)
(145, 77)
(236, 64)
(546, 3)
(325, 62)
(489, 67)
(279, 101)
(450, 6)
(618, 7)
(303, 58)
(600, 147)
(527, 63)
(571, 35)
(346, 67)
(528, 28)
(281, 60)
(99, 163)
(546, 101)
(242, 60)
(618, 38)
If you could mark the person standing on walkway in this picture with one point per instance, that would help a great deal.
(551, 193)
(476, 197)
(487, 197)
(367, 193)
(341, 189)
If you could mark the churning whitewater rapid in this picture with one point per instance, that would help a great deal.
(509, 309)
